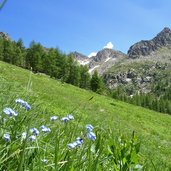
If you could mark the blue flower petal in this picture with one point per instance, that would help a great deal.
(45, 129)
(34, 131)
(10, 112)
(72, 145)
(65, 119)
(91, 136)
(53, 118)
(32, 138)
(70, 117)
(7, 137)
(89, 127)
(23, 103)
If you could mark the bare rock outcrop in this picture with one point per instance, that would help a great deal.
(146, 47)
(4, 36)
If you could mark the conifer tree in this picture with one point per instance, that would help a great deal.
(96, 83)
(8, 51)
(21, 53)
(48, 63)
(35, 56)
(84, 77)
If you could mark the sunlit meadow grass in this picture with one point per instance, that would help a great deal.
(32, 139)
(115, 122)
(27, 145)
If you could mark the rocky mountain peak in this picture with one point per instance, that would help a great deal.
(104, 54)
(163, 38)
(80, 58)
(146, 47)
(103, 60)
(4, 36)
(166, 30)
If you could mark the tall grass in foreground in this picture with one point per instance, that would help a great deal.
(34, 139)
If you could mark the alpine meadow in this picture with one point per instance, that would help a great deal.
(125, 136)
(65, 110)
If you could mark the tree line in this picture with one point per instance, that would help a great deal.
(50, 61)
(159, 99)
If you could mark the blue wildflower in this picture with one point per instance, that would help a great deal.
(23, 103)
(27, 106)
(89, 127)
(32, 138)
(45, 129)
(10, 112)
(34, 131)
(79, 141)
(19, 100)
(53, 118)
(72, 145)
(65, 119)
(76, 143)
(7, 137)
(70, 117)
(91, 136)
(42, 127)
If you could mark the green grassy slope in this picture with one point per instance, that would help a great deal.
(153, 128)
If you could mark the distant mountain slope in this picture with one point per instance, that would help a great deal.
(146, 47)
(103, 60)
(148, 64)
(81, 59)
(156, 50)
(141, 74)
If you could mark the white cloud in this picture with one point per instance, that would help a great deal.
(92, 54)
(108, 46)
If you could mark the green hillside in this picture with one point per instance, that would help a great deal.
(54, 97)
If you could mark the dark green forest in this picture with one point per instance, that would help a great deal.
(50, 61)
(159, 99)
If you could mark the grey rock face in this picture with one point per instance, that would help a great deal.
(104, 59)
(79, 56)
(141, 78)
(4, 35)
(144, 50)
(146, 47)
(105, 54)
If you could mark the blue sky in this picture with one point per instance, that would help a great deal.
(84, 25)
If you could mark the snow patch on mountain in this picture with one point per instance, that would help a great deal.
(83, 62)
(92, 54)
(92, 69)
(107, 59)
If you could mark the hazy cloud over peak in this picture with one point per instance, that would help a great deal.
(108, 46)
